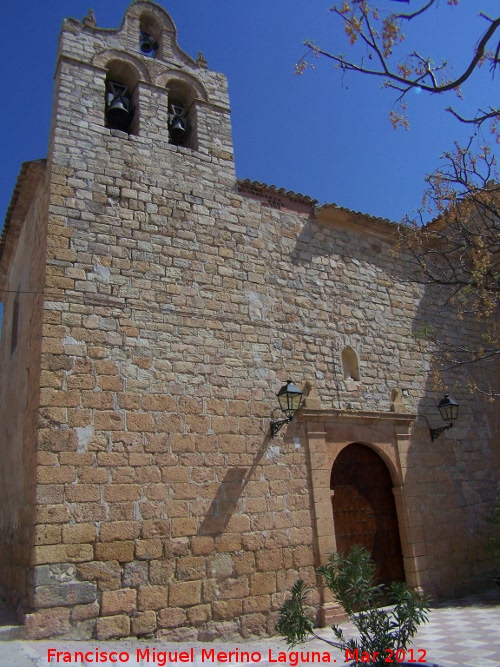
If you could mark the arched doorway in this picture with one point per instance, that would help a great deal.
(364, 511)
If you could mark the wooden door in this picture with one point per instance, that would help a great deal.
(364, 511)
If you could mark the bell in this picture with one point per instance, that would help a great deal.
(117, 113)
(147, 43)
(177, 129)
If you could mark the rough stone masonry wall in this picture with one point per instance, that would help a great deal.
(352, 292)
(459, 472)
(175, 308)
(22, 267)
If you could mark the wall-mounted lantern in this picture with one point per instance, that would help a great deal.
(449, 412)
(289, 398)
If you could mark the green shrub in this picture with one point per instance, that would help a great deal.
(351, 579)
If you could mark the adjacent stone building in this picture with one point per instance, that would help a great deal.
(153, 307)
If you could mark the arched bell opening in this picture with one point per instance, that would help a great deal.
(364, 509)
(120, 101)
(182, 120)
(150, 35)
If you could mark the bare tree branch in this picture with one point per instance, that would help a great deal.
(420, 11)
(478, 119)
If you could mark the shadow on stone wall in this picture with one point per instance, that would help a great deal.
(228, 494)
(459, 470)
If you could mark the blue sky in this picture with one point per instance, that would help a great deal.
(317, 133)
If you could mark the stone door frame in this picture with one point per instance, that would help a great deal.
(388, 434)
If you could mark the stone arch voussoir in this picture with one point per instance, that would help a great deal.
(174, 76)
(138, 8)
(112, 55)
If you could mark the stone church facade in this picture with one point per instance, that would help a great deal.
(153, 306)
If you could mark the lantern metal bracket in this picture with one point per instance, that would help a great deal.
(436, 432)
(277, 425)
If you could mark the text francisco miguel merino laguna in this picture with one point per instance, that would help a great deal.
(147, 655)
(159, 658)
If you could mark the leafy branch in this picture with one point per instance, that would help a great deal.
(457, 255)
(351, 579)
(362, 24)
